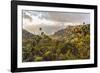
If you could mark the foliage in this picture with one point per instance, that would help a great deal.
(70, 43)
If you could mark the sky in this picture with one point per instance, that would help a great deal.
(51, 22)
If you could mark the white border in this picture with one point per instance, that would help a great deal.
(53, 63)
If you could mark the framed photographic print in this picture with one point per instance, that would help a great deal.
(51, 36)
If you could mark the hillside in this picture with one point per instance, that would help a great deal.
(71, 43)
(73, 30)
(26, 34)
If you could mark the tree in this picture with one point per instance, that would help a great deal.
(40, 28)
(83, 22)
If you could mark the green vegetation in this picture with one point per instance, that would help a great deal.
(71, 43)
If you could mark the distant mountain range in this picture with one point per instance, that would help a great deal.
(67, 32)
(64, 32)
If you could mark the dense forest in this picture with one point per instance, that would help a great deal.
(71, 43)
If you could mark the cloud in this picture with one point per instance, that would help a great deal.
(51, 22)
